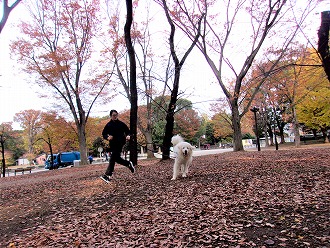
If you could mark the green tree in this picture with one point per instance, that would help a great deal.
(55, 133)
(314, 110)
(209, 133)
(10, 145)
(222, 126)
(28, 120)
(187, 122)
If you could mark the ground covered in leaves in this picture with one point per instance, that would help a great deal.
(242, 199)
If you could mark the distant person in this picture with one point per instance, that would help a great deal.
(107, 156)
(90, 158)
(117, 133)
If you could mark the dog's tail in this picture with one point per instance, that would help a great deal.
(176, 139)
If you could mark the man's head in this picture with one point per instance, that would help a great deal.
(113, 114)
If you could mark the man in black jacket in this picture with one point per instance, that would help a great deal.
(117, 133)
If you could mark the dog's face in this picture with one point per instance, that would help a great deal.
(185, 149)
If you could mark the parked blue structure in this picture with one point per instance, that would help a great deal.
(61, 160)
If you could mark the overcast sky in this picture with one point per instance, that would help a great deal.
(18, 94)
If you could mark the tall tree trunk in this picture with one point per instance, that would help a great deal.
(296, 128)
(323, 44)
(266, 136)
(174, 94)
(265, 128)
(82, 144)
(170, 113)
(236, 121)
(147, 132)
(3, 157)
(150, 148)
(133, 89)
(281, 128)
(271, 134)
(169, 127)
(325, 136)
(51, 152)
(30, 140)
(177, 70)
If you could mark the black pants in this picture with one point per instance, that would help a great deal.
(115, 158)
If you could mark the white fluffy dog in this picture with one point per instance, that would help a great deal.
(183, 156)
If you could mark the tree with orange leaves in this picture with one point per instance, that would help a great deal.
(187, 124)
(57, 47)
(54, 133)
(297, 76)
(28, 120)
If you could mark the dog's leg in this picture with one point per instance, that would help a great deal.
(184, 170)
(175, 171)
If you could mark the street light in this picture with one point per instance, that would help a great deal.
(255, 110)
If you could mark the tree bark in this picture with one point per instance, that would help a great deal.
(3, 156)
(323, 44)
(325, 136)
(147, 132)
(133, 90)
(281, 128)
(296, 129)
(265, 114)
(82, 144)
(270, 132)
(150, 148)
(236, 122)
(169, 123)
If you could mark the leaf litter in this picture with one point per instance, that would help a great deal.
(242, 199)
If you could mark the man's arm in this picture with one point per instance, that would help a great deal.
(127, 132)
(105, 132)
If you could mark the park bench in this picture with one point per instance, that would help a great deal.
(98, 160)
(22, 170)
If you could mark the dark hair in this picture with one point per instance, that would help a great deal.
(111, 111)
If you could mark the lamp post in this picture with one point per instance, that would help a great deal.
(255, 110)
(275, 138)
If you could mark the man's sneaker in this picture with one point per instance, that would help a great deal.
(131, 166)
(105, 178)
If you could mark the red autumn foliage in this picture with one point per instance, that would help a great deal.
(242, 199)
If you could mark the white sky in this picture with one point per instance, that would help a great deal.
(17, 93)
